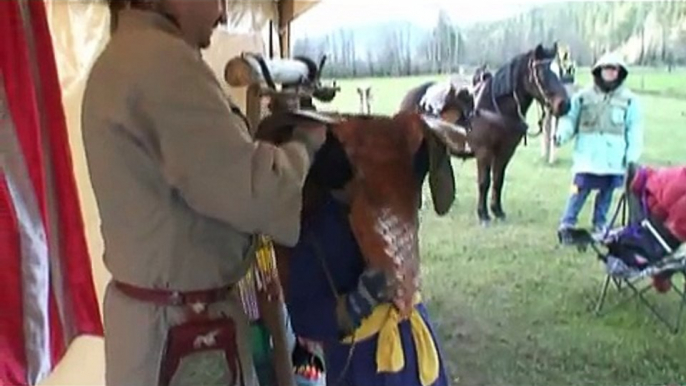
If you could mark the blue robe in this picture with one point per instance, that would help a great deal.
(311, 303)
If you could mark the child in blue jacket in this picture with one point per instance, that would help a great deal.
(605, 121)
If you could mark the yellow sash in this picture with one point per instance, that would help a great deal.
(390, 357)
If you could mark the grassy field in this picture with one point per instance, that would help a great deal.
(511, 307)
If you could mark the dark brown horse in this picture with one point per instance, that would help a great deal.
(499, 122)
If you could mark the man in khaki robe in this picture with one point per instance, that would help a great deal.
(181, 187)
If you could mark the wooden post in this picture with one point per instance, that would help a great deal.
(286, 11)
(369, 100)
(365, 95)
(253, 106)
(273, 316)
(271, 39)
(360, 94)
(550, 126)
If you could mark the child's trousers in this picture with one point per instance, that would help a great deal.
(584, 183)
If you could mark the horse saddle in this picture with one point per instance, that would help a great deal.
(374, 160)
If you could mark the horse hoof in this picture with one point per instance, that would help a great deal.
(485, 223)
(498, 214)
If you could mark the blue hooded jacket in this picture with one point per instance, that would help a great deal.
(607, 126)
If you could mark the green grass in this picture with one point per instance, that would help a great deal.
(510, 306)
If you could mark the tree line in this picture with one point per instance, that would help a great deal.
(647, 33)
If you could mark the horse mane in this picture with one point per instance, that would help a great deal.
(504, 80)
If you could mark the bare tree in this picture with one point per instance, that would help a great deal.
(589, 28)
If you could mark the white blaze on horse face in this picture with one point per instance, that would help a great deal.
(555, 68)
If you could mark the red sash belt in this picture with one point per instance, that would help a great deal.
(174, 298)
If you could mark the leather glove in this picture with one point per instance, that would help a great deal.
(312, 136)
(372, 290)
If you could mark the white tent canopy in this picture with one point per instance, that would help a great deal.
(80, 29)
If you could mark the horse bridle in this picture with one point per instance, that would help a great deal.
(534, 78)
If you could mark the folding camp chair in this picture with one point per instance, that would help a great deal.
(635, 220)
(623, 279)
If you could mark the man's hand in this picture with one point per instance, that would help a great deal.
(372, 290)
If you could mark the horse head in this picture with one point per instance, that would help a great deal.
(541, 79)
(379, 164)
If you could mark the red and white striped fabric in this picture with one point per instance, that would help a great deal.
(47, 296)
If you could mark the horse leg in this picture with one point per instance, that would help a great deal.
(484, 182)
(500, 163)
